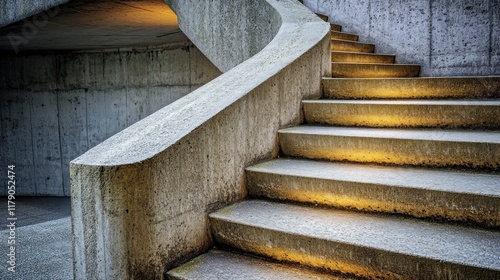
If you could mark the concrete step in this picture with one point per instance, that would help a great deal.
(458, 196)
(335, 27)
(370, 70)
(439, 87)
(368, 245)
(350, 46)
(421, 147)
(404, 113)
(350, 57)
(323, 17)
(223, 265)
(344, 36)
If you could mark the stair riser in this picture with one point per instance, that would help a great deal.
(420, 203)
(336, 256)
(336, 27)
(347, 46)
(323, 17)
(346, 70)
(344, 36)
(344, 57)
(487, 87)
(392, 151)
(375, 115)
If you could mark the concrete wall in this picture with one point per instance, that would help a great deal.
(14, 10)
(254, 29)
(56, 107)
(446, 37)
(140, 200)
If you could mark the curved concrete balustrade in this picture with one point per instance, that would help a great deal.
(140, 199)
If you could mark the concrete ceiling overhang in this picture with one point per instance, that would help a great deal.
(93, 25)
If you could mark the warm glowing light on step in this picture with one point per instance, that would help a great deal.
(332, 261)
(410, 88)
(378, 200)
(357, 155)
(379, 119)
(371, 72)
(347, 57)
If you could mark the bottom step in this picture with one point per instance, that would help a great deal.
(373, 246)
(224, 265)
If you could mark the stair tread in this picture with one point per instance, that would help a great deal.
(333, 31)
(344, 36)
(492, 137)
(218, 264)
(411, 102)
(401, 235)
(351, 46)
(362, 54)
(352, 42)
(376, 64)
(421, 79)
(373, 70)
(406, 177)
(413, 87)
(362, 57)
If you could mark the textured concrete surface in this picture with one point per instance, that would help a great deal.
(469, 197)
(55, 107)
(448, 38)
(362, 70)
(228, 266)
(404, 113)
(241, 35)
(12, 11)
(43, 239)
(451, 87)
(367, 245)
(150, 187)
(34, 210)
(423, 147)
(90, 25)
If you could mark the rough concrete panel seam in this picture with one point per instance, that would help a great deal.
(60, 138)
(490, 34)
(370, 19)
(32, 150)
(431, 26)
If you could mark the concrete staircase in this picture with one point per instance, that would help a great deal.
(394, 177)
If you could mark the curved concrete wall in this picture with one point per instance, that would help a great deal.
(140, 199)
(239, 37)
(12, 11)
(448, 38)
(55, 107)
